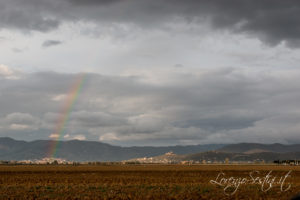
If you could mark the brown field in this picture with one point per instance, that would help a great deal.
(140, 182)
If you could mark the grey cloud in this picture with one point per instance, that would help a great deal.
(93, 2)
(96, 119)
(228, 104)
(33, 93)
(178, 66)
(143, 124)
(272, 21)
(17, 50)
(26, 15)
(50, 43)
(227, 122)
(19, 118)
(19, 122)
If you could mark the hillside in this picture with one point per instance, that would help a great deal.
(244, 152)
(242, 157)
(256, 147)
(75, 150)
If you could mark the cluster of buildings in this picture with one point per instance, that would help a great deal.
(171, 158)
(43, 161)
(168, 158)
(287, 162)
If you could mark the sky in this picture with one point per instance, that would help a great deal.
(156, 72)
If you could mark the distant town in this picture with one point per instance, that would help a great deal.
(167, 158)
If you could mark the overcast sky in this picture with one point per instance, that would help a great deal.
(158, 72)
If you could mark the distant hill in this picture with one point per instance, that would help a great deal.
(221, 156)
(242, 152)
(75, 150)
(168, 157)
(257, 148)
(217, 156)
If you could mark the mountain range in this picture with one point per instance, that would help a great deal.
(76, 150)
(243, 152)
(249, 148)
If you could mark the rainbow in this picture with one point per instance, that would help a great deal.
(65, 114)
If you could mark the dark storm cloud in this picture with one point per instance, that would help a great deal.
(27, 15)
(272, 21)
(50, 43)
